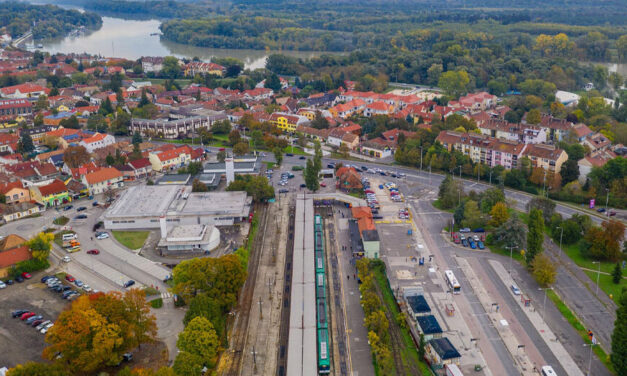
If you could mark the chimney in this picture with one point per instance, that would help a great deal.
(230, 170)
(164, 227)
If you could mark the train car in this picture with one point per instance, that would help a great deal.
(321, 290)
(324, 363)
(321, 307)
(319, 262)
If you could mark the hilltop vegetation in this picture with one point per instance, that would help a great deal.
(49, 20)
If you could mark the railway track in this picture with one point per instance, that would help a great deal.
(285, 307)
(395, 335)
(240, 328)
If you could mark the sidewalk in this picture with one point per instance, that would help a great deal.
(543, 329)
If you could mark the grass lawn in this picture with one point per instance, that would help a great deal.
(131, 239)
(296, 150)
(574, 321)
(606, 284)
(160, 81)
(270, 165)
(496, 248)
(61, 221)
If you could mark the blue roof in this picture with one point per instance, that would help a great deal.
(60, 115)
(418, 304)
(71, 137)
(444, 348)
(428, 324)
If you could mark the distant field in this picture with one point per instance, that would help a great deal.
(131, 239)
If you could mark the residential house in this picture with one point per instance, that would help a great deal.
(197, 67)
(597, 142)
(152, 64)
(557, 129)
(12, 252)
(523, 133)
(287, 122)
(475, 102)
(344, 110)
(76, 189)
(102, 180)
(14, 192)
(8, 142)
(20, 210)
(53, 194)
(338, 136)
(142, 167)
(378, 108)
(483, 149)
(97, 141)
(37, 134)
(581, 132)
(597, 159)
(33, 172)
(12, 109)
(547, 157)
(377, 148)
(348, 179)
(169, 160)
(23, 91)
(258, 94)
(313, 133)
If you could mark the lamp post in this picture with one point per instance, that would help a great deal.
(589, 355)
(598, 274)
(511, 249)
(561, 235)
(544, 303)
(607, 199)
(490, 176)
(421, 158)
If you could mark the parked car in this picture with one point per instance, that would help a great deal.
(93, 252)
(515, 289)
(78, 283)
(289, 154)
(95, 203)
(478, 230)
(19, 279)
(66, 259)
(26, 275)
(46, 278)
(473, 245)
(3, 285)
(33, 318)
(129, 283)
(601, 210)
(18, 313)
(465, 229)
(27, 315)
(81, 208)
(465, 243)
(283, 190)
(9, 282)
(86, 288)
(42, 325)
(69, 278)
(44, 330)
(301, 157)
(69, 207)
(81, 216)
(303, 185)
(323, 185)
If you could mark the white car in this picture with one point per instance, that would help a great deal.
(3, 285)
(515, 289)
(44, 330)
(86, 288)
(66, 259)
(102, 236)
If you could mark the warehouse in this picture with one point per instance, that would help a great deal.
(141, 207)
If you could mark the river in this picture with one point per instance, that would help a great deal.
(132, 39)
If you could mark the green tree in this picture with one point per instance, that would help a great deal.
(40, 245)
(171, 68)
(499, 214)
(273, 83)
(534, 116)
(511, 233)
(278, 155)
(344, 150)
(491, 197)
(96, 122)
(202, 305)
(221, 156)
(234, 137)
(472, 216)
(454, 83)
(450, 192)
(535, 235)
(137, 138)
(106, 107)
(144, 99)
(311, 176)
(617, 274)
(257, 187)
(319, 121)
(26, 143)
(545, 205)
(240, 148)
(187, 364)
(37, 369)
(619, 337)
(421, 347)
(200, 339)
(569, 171)
(543, 270)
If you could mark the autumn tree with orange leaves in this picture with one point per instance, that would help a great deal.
(97, 329)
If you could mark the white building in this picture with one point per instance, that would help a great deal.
(97, 141)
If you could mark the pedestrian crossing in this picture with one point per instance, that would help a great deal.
(166, 295)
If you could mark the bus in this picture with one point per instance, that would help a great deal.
(547, 371)
(452, 282)
(324, 365)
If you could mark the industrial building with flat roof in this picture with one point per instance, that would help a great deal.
(141, 207)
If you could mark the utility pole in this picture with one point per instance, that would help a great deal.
(254, 360)
(490, 176)
(598, 274)
(559, 255)
(260, 312)
(511, 249)
(478, 171)
(421, 158)
(544, 303)
(607, 199)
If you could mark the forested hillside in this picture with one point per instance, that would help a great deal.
(49, 20)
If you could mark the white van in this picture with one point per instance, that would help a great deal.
(70, 236)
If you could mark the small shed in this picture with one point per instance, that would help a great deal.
(429, 326)
(441, 351)
(418, 305)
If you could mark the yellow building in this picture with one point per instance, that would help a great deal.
(287, 122)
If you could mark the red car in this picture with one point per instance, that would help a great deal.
(27, 315)
(93, 252)
(323, 185)
(26, 275)
(69, 278)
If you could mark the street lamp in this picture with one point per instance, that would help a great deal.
(590, 355)
(607, 199)
(561, 235)
(544, 303)
(421, 158)
(511, 249)
(598, 274)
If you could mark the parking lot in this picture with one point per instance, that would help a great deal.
(20, 342)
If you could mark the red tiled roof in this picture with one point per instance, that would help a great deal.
(4, 188)
(140, 163)
(13, 256)
(102, 175)
(53, 188)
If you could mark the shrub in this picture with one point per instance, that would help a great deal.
(156, 303)
(29, 266)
